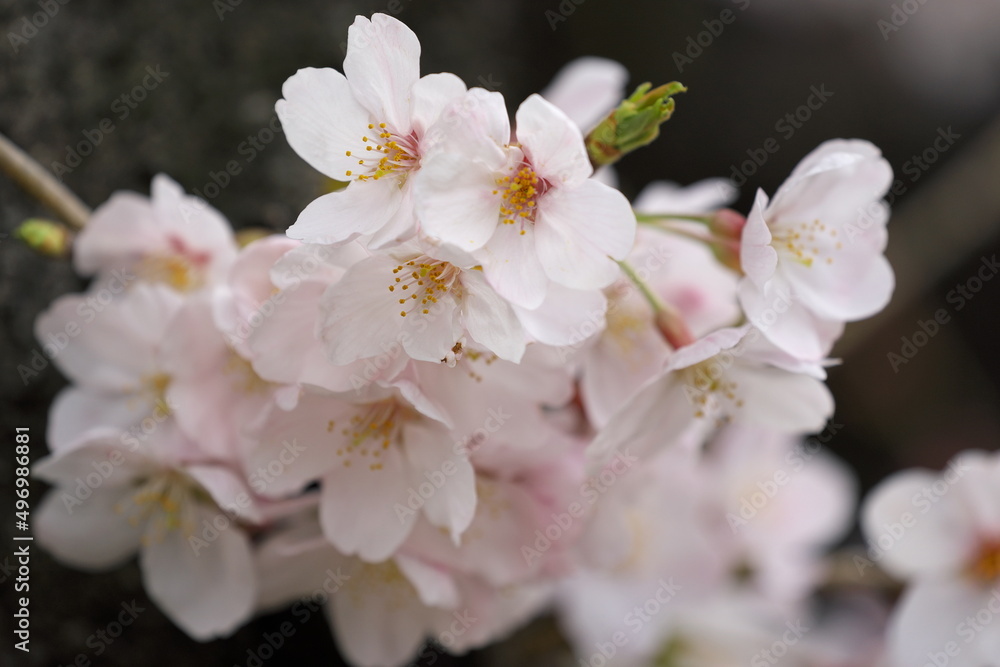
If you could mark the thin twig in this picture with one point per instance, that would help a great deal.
(40, 184)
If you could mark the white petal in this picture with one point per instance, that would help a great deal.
(86, 533)
(208, 591)
(789, 402)
(566, 317)
(758, 258)
(490, 320)
(363, 207)
(653, 420)
(455, 201)
(581, 231)
(552, 143)
(382, 65)
(381, 624)
(431, 95)
(931, 615)
(510, 264)
(587, 89)
(435, 588)
(451, 502)
(321, 119)
(365, 511)
(701, 197)
(917, 532)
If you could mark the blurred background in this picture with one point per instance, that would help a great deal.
(919, 78)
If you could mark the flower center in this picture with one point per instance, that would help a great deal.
(706, 387)
(181, 268)
(626, 322)
(519, 192)
(419, 282)
(370, 432)
(385, 153)
(986, 565)
(152, 391)
(803, 242)
(161, 502)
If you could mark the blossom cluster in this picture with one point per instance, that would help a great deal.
(473, 383)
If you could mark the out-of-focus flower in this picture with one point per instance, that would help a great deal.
(186, 520)
(941, 533)
(169, 238)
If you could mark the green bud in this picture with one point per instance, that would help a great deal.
(52, 239)
(635, 123)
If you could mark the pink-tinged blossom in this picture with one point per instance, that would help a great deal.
(426, 300)
(147, 501)
(527, 209)
(778, 502)
(365, 126)
(169, 238)
(645, 557)
(285, 345)
(940, 532)
(368, 456)
(817, 249)
(728, 375)
(680, 271)
(382, 613)
(113, 353)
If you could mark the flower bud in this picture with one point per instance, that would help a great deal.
(635, 123)
(46, 237)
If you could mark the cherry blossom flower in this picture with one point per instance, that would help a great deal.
(684, 274)
(112, 351)
(145, 500)
(381, 613)
(728, 375)
(169, 238)
(426, 300)
(527, 210)
(366, 127)
(941, 533)
(817, 249)
(369, 456)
